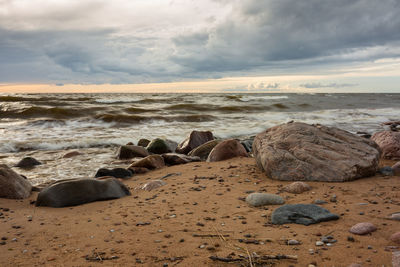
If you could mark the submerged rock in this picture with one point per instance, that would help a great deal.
(389, 143)
(195, 139)
(227, 149)
(71, 154)
(80, 191)
(262, 199)
(303, 152)
(305, 214)
(143, 142)
(13, 185)
(28, 162)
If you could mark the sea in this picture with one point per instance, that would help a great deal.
(47, 126)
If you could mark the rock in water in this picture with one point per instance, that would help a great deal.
(195, 139)
(143, 142)
(13, 185)
(262, 199)
(305, 214)
(27, 162)
(389, 143)
(71, 154)
(150, 162)
(302, 152)
(227, 149)
(117, 173)
(158, 146)
(129, 151)
(176, 159)
(153, 185)
(80, 191)
(297, 187)
(204, 150)
(362, 228)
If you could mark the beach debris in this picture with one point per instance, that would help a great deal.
(131, 151)
(13, 185)
(99, 256)
(297, 187)
(153, 185)
(262, 199)
(27, 162)
(389, 143)
(258, 259)
(362, 228)
(305, 214)
(227, 149)
(319, 153)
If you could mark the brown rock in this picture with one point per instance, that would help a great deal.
(227, 149)
(150, 162)
(204, 150)
(396, 259)
(13, 185)
(138, 170)
(129, 151)
(396, 169)
(303, 152)
(195, 139)
(297, 188)
(176, 159)
(389, 143)
(27, 162)
(362, 228)
(143, 142)
(395, 237)
(72, 154)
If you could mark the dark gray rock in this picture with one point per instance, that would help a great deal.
(117, 173)
(305, 214)
(143, 142)
(386, 171)
(262, 199)
(27, 162)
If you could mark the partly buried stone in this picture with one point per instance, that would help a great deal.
(262, 199)
(389, 143)
(297, 187)
(227, 149)
(13, 185)
(305, 214)
(362, 228)
(302, 152)
(396, 259)
(138, 170)
(80, 191)
(204, 150)
(396, 169)
(143, 142)
(71, 154)
(176, 159)
(394, 216)
(28, 162)
(159, 146)
(117, 173)
(153, 185)
(247, 143)
(395, 237)
(130, 151)
(386, 171)
(195, 139)
(150, 162)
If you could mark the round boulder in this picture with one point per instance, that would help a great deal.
(13, 185)
(227, 149)
(302, 152)
(389, 143)
(362, 228)
(158, 146)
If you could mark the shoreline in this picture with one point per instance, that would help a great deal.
(179, 223)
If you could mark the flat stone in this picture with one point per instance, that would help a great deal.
(305, 214)
(262, 199)
(362, 228)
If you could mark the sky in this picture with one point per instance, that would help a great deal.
(200, 46)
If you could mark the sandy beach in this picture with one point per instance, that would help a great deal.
(200, 213)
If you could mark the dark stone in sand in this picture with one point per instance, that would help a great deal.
(195, 139)
(143, 142)
(302, 152)
(305, 214)
(117, 173)
(159, 146)
(386, 171)
(176, 159)
(129, 151)
(28, 162)
(13, 185)
(227, 149)
(80, 191)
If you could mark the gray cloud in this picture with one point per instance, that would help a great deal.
(328, 85)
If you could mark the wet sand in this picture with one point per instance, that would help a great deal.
(199, 213)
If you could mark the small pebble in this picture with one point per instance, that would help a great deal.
(319, 243)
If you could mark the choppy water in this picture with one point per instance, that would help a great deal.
(48, 123)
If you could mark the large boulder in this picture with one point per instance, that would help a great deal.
(389, 143)
(204, 150)
(227, 149)
(13, 185)
(305, 214)
(195, 139)
(80, 191)
(130, 151)
(150, 162)
(299, 151)
(176, 159)
(27, 162)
